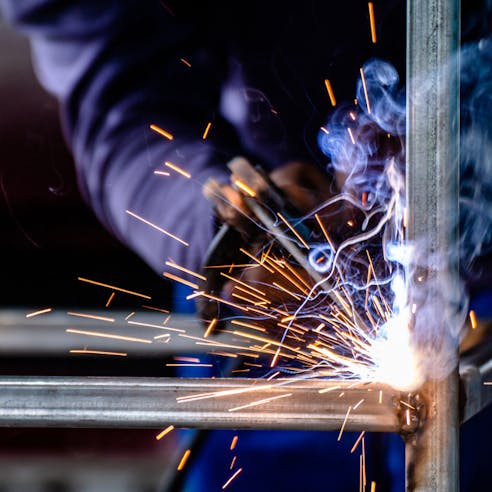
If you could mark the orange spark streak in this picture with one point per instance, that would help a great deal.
(91, 316)
(111, 297)
(243, 283)
(259, 402)
(351, 135)
(373, 486)
(223, 301)
(161, 131)
(184, 459)
(324, 130)
(286, 222)
(165, 311)
(247, 325)
(233, 443)
(107, 335)
(130, 315)
(186, 62)
(359, 439)
(233, 463)
(37, 313)
(97, 352)
(297, 298)
(183, 269)
(217, 394)
(187, 359)
(180, 280)
(210, 327)
(358, 404)
(184, 364)
(372, 20)
(232, 478)
(100, 284)
(473, 319)
(325, 232)
(159, 327)
(252, 294)
(344, 423)
(162, 173)
(172, 166)
(167, 430)
(160, 229)
(207, 130)
(326, 390)
(331, 94)
(261, 263)
(244, 187)
(366, 95)
(380, 401)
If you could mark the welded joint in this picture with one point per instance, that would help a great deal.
(411, 412)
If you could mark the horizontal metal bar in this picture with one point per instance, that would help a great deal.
(231, 403)
(475, 372)
(45, 335)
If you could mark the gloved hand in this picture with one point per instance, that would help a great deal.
(294, 189)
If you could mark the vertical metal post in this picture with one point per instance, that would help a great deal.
(432, 168)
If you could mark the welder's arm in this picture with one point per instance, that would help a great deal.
(115, 68)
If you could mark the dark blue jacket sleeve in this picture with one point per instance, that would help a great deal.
(116, 67)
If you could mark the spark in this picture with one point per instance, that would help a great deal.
(344, 423)
(357, 442)
(184, 364)
(349, 130)
(37, 313)
(162, 173)
(233, 462)
(187, 359)
(130, 315)
(324, 130)
(97, 352)
(100, 284)
(159, 327)
(91, 316)
(171, 264)
(366, 95)
(261, 263)
(233, 443)
(161, 131)
(153, 308)
(232, 478)
(372, 20)
(180, 280)
(156, 227)
(111, 297)
(161, 434)
(259, 402)
(184, 459)
(210, 327)
(179, 170)
(358, 404)
(330, 388)
(244, 187)
(218, 394)
(186, 62)
(373, 486)
(473, 319)
(107, 335)
(331, 94)
(207, 131)
(287, 223)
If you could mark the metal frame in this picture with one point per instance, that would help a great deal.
(432, 173)
(431, 433)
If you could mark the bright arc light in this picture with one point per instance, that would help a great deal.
(396, 357)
